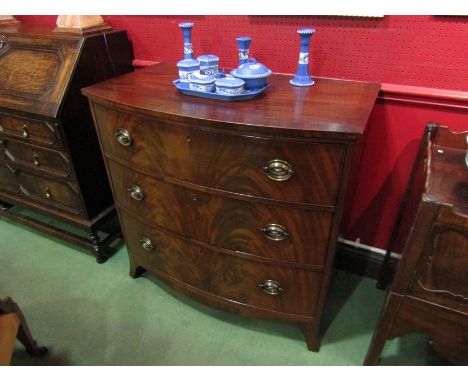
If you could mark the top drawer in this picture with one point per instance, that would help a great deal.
(276, 169)
(30, 130)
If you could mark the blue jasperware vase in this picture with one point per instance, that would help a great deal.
(188, 65)
(302, 77)
(243, 45)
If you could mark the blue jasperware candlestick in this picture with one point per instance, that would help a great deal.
(302, 77)
(187, 30)
(243, 44)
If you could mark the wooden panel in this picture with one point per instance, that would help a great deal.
(52, 162)
(30, 130)
(212, 159)
(8, 178)
(35, 71)
(232, 278)
(225, 222)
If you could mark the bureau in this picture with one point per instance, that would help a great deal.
(429, 294)
(237, 205)
(50, 161)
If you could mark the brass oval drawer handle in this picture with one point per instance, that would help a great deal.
(147, 244)
(275, 232)
(271, 287)
(36, 160)
(3, 41)
(25, 131)
(278, 170)
(123, 137)
(47, 193)
(135, 192)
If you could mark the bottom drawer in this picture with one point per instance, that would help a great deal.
(237, 279)
(64, 196)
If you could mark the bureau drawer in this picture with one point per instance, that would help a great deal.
(8, 177)
(30, 130)
(60, 195)
(276, 169)
(42, 159)
(232, 278)
(288, 234)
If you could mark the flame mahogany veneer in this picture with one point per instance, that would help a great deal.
(192, 179)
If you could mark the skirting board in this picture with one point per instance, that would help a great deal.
(361, 260)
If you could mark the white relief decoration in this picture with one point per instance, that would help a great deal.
(229, 91)
(201, 88)
(303, 58)
(183, 76)
(243, 54)
(188, 48)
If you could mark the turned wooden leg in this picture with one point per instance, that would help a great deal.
(312, 336)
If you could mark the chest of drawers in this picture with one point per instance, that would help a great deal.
(50, 160)
(429, 294)
(237, 205)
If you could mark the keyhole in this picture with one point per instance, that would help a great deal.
(200, 252)
(194, 197)
(188, 137)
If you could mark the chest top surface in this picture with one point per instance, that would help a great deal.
(447, 173)
(329, 108)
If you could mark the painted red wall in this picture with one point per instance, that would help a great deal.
(428, 52)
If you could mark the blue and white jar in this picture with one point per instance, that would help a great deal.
(186, 68)
(201, 82)
(254, 74)
(208, 64)
(229, 85)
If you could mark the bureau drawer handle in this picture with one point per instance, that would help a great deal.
(278, 170)
(275, 232)
(36, 160)
(147, 244)
(271, 287)
(47, 193)
(123, 136)
(136, 193)
(25, 131)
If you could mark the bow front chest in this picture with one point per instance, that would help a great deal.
(236, 204)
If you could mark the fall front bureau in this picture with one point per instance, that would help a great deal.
(237, 205)
(51, 165)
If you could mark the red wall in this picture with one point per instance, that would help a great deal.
(428, 52)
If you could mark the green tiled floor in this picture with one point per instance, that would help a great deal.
(91, 314)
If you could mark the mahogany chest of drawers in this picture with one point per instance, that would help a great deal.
(238, 204)
(50, 160)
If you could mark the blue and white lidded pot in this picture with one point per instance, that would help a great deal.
(208, 64)
(201, 82)
(253, 73)
(229, 85)
(186, 68)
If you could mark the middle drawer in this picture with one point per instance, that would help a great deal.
(51, 162)
(282, 233)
